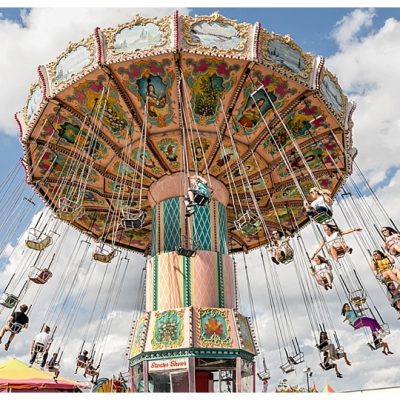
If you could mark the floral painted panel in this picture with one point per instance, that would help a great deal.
(96, 96)
(168, 329)
(209, 80)
(214, 328)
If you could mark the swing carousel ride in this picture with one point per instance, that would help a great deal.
(192, 141)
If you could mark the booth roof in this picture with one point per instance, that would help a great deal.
(15, 374)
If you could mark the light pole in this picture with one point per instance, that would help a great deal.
(308, 373)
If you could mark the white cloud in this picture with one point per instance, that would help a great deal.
(368, 70)
(345, 32)
(45, 34)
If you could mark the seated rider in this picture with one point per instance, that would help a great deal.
(333, 239)
(393, 295)
(15, 323)
(197, 185)
(92, 371)
(382, 266)
(392, 240)
(280, 249)
(82, 360)
(321, 203)
(378, 342)
(357, 320)
(329, 349)
(321, 269)
(53, 365)
(41, 344)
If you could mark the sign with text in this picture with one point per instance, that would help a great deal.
(173, 363)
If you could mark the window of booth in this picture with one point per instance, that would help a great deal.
(138, 378)
(215, 375)
(170, 381)
(247, 377)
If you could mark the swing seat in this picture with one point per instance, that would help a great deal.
(69, 210)
(39, 347)
(39, 276)
(200, 197)
(340, 252)
(358, 297)
(187, 247)
(8, 300)
(358, 301)
(264, 375)
(322, 217)
(248, 223)
(133, 219)
(287, 367)
(297, 358)
(287, 259)
(80, 364)
(374, 346)
(37, 240)
(15, 327)
(340, 352)
(185, 252)
(90, 371)
(104, 257)
(327, 367)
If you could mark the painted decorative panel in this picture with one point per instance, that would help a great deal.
(137, 341)
(34, 101)
(214, 328)
(215, 34)
(137, 38)
(75, 61)
(245, 333)
(332, 92)
(168, 331)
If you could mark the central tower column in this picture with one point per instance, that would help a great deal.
(191, 335)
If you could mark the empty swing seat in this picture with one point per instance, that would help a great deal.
(263, 375)
(287, 367)
(133, 219)
(187, 247)
(297, 358)
(358, 298)
(186, 252)
(39, 276)
(248, 223)
(38, 240)
(8, 300)
(104, 257)
(69, 210)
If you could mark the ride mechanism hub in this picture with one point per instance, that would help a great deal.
(114, 128)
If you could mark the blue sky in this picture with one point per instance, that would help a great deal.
(374, 80)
